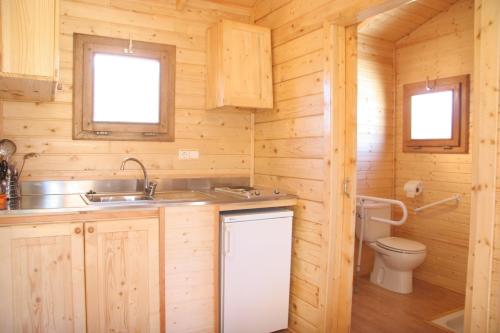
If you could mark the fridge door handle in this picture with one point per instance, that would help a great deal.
(227, 241)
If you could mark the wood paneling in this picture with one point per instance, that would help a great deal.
(246, 3)
(293, 149)
(341, 73)
(444, 229)
(375, 117)
(289, 155)
(399, 22)
(191, 269)
(42, 282)
(222, 137)
(483, 279)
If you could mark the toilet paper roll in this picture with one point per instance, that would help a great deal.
(413, 188)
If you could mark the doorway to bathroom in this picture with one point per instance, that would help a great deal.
(420, 42)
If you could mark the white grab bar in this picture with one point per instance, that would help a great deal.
(392, 202)
(455, 197)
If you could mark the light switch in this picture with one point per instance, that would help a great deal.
(194, 155)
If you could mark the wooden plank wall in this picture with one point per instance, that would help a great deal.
(289, 140)
(376, 155)
(375, 117)
(223, 138)
(482, 306)
(289, 150)
(442, 47)
(289, 155)
(189, 270)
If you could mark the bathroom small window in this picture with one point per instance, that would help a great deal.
(436, 116)
(123, 89)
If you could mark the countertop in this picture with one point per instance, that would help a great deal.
(74, 203)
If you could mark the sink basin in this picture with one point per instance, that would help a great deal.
(115, 198)
(169, 196)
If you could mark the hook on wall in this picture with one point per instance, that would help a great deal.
(427, 86)
(130, 49)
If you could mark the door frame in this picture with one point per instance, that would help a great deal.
(482, 302)
(340, 93)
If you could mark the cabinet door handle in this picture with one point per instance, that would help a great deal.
(90, 230)
(78, 230)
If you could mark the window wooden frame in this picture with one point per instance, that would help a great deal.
(84, 128)
(459, 142)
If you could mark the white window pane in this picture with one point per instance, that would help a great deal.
(126, 89)
(432, 115)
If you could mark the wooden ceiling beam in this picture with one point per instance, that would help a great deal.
(179, 4)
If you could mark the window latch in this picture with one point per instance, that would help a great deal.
(102, 133)
(150, 134)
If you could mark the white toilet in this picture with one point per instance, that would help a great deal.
(395, 257)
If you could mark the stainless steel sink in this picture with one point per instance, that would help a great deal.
(91, 199)
(169, 196)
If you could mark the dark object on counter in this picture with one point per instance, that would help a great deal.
(4, 166)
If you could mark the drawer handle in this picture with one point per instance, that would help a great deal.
(90, 230)
(78, 230)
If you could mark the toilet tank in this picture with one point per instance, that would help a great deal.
(373, 230)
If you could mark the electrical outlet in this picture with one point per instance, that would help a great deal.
(184, 154)
(189, 154)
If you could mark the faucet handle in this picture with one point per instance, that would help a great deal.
(151, 188)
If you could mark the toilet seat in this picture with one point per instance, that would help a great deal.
(401, 245)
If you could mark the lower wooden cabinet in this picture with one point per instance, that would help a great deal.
(42, 278)
(74, 277)
(122, 276)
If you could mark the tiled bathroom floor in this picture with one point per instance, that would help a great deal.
(376, 310)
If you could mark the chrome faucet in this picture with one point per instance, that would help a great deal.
(149, 187)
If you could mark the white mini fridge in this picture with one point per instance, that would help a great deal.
(255, 258)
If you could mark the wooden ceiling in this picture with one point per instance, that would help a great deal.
(399, 22)
(244, 3)
(391, 26)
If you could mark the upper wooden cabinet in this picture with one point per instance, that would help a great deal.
(239, 66)
(29, 52)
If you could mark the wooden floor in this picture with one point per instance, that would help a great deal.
(376, 310)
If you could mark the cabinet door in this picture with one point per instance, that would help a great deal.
(122, 275)
(42, 281)
(29, 36)
(247, 65)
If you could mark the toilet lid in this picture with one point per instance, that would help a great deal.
(400, 245)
